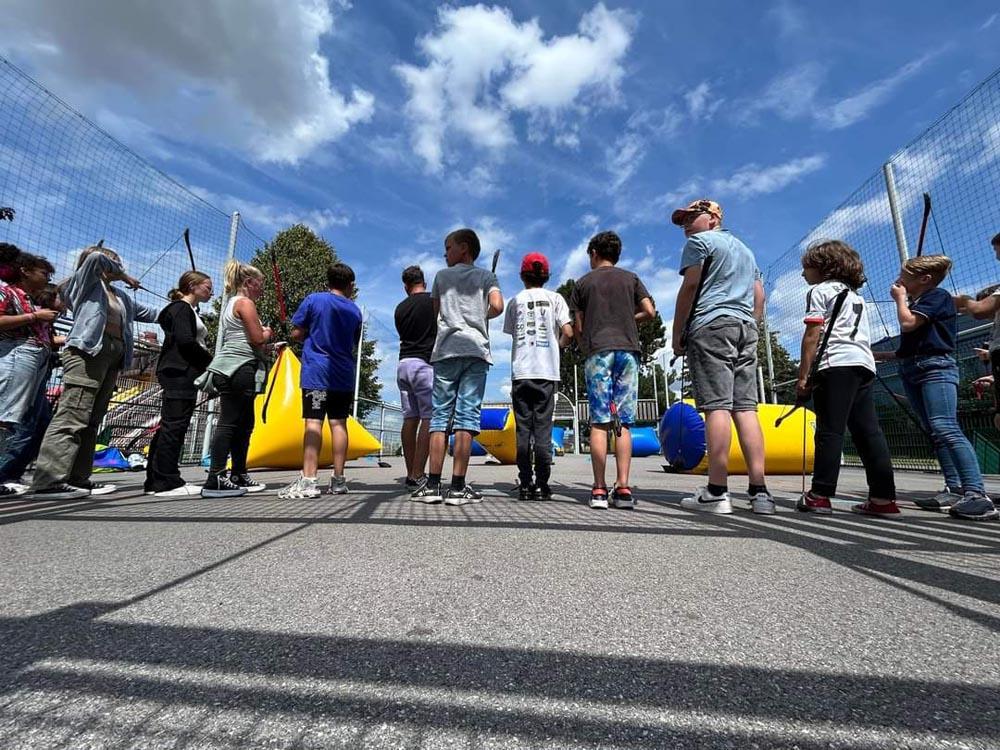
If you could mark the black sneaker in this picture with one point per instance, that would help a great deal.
(526, 492)
(60, 492)
(463, 496)
(247, 482)
(219, 485)
(974, 506)
(544, 492)
(414, 484)
(427, 493)
(95, 488)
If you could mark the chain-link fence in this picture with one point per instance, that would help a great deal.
(956, 161)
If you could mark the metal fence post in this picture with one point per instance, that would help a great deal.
(656, 390)
(234, 228)
(769, 356)
(576, 415)
(897, 217)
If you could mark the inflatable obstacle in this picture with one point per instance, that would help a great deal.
(496, 425)
(277, 444)
(644, 442)
(682, 435)
(477, 449)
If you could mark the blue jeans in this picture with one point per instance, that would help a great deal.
(459, 385)
(931, 384)
(25, 441)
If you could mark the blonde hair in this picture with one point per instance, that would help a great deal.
(87, 251)
(937, 266)
(188, 281)
(236, 274)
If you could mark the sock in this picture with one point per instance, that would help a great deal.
(458, 481)
(717, 489)
(756, 489)
(433, 480)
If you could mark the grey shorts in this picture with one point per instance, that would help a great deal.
(722, 360)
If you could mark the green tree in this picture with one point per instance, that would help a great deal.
(785, 368)
(303, 258)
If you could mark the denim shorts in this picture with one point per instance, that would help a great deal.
(22, 368)
(612, 377)
(415, 379)
(722, 359)
(459, 385)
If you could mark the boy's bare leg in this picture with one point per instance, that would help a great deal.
(422, 447)
(338, 431)
(751, 438)
(623, 456)
(599, 451)
(463, 448)
(408, 437)
(718, 435)
(438, 447)
(312, 444)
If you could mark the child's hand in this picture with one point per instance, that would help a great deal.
(678, 349)
(983, 354)
(961, 301)
(897, 292)
(803, 389)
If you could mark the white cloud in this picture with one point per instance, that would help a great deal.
(483, 66)
(752, 179)
(989, 22)
(249, 74)
(627, 153)
(795, 95)
(577, 262)
(264, 216)
(701, 103)
(789, 19)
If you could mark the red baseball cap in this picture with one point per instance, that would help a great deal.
(535, 263)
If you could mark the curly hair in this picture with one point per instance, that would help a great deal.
(937, 266)
(836, 260)
(606, 245)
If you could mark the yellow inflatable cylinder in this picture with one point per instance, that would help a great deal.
(497, 434)
(782, 445)
(277, 444)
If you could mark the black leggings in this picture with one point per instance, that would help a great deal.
(236, 419)
(162, 472)
(843, 399)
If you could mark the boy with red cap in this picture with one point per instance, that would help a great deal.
(535, 318)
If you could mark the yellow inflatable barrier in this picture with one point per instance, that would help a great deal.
(277, 444)
(497, 434)
(782, 445)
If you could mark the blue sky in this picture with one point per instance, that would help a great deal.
(385, 124)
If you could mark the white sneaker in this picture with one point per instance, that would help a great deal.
(16, 488)
(301, 488)
(97, 488)
(763, 504)
(338, 485)
(708, 503)
(185, 490)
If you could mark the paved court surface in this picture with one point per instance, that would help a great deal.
(370, 621)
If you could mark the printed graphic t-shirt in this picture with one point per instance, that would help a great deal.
(850, 343)
(608, 297)
(534, 317)
(463, 292)
(333, 325)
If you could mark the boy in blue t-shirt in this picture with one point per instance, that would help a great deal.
(329, 326)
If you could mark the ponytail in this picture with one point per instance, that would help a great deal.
(236, 274)
(188, 281)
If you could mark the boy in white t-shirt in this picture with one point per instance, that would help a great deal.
(842, 380)
(539, 321)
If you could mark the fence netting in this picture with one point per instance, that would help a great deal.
(956, 162)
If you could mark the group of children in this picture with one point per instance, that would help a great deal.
(445, 356)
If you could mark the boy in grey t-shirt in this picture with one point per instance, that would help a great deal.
(715, 327)
(465, 298)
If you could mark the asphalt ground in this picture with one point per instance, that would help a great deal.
(367, 620)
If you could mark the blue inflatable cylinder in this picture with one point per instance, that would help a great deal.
(682, 436)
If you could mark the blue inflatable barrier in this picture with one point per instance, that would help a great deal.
(644, 442)
(477, 449)
(682, 436)
(493, 418)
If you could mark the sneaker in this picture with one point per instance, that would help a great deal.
(810, 503)
(621, 498)
(763, 504)
(60, 492)
(941, 501)
(247, 482)
(428, 493)
(16, 489)
(868, 508)
(220, 485)
(974, 506)
(96, 488)
(302, 487)
(544, 492)
(463, 496)
(415, 484)
(526, 492)
(185, 490)
(708, 503)
(338, 485)
(599, 498)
